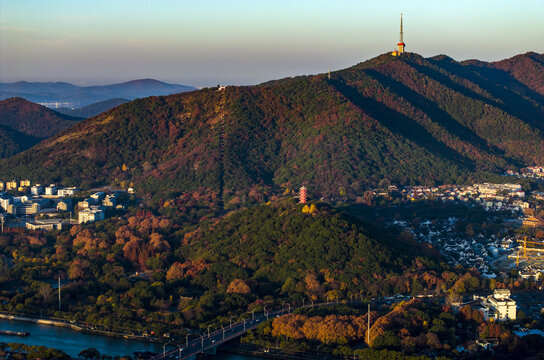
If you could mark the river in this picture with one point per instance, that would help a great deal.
(72, 342)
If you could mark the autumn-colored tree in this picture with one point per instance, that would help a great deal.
(312, 285)
(78, 268)
(238, 286)
(175, 271)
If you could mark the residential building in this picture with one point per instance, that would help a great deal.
(5, 201)
(503, 306)
(529, 274)
(98, 196)
(24, 183)
(51, 190)
(497, 307)
(11, 185)
(24, 208)
(533, 221)
(65, 205)
(48, 224)
(36, 190)
(110, 200)
(85, 204)
(94, 213)
(69, 191)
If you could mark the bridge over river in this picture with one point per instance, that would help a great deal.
(212, 340)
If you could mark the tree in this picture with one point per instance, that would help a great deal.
(238, 286)
(45, 292)
(175, 272)
(90, 353)
(77, 269)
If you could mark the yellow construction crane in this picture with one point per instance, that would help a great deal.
(525, 242)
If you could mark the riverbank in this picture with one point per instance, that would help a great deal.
(80, 328)
(270, 354)
(72, 342)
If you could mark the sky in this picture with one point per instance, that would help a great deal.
(243, 42)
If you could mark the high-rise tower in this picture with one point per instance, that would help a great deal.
(400, 45)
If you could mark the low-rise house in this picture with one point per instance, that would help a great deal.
(65, 205)
(98, 196)
(94, 213)
(51, 190)
(36, 190)
(539, 195)
(24, 183)
(533, 221)
(110, 200)
(48, 224)
(85, 204)
(528, 274)
(69, 191)
(11, 185)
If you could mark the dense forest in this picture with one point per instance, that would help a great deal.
(408, 119)
(145, 270)
(33, 119)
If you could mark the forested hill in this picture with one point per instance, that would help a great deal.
(408, 119)
(286, 243)
(23, 124)
(33, 119)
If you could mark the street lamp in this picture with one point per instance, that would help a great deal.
(303, 300)
(230, 322)
(187, 340)
(289, 307)
(223, 328)
(208, 331)
(252, 315)
(202, 341)
(179, 347)
(163, 349)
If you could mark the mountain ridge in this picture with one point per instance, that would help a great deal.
(407, 120)
(79, 96)
(93, 109)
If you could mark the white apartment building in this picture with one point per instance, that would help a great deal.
(69, 191)
(501, 307)
(94, 213)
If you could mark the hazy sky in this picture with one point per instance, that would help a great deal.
(210, 42)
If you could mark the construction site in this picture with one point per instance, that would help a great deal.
(529, 257)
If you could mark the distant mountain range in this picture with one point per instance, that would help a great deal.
(404, 120)
(24, 124)
(73, 96)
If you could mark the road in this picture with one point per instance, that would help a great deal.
(218, 337)
(223, 335)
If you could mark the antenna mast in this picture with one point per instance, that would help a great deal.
(401, 37)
